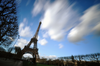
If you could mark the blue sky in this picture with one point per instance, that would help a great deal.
(69, 27)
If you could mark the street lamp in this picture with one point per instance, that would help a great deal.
(16, 39)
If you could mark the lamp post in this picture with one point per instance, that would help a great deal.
(16, 40)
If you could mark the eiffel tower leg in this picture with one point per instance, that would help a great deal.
(37, 57)
(35, 44)
(34, 59)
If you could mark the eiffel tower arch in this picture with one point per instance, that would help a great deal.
(33, 50)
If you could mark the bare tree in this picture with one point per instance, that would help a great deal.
(8, 21)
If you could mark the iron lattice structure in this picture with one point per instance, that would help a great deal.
(33, 50)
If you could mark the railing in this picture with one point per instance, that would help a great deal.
(87, 57)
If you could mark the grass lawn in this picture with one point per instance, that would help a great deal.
(44, 65)
(26, 63)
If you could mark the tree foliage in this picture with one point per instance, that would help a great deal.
(8, 21)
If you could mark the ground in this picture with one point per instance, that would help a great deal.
(10, 62)
(7, 62)
(26, 63)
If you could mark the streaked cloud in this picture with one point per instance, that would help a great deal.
(38, 6)
(90, 22)
(25, 31)
(18, 1)
(43, 41)
(97, 29)
(60, 46)
(28, 2)
(58, 19)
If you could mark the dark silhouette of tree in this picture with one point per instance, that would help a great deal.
(14, 49)
(8, 22)
(10, 49)
(2, 49)
(17, 49)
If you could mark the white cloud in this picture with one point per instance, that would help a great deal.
(11, 38)
(58, 19)
(49, 57)
(97, 29)
(60, 46)
(38, 37)
(90, 22)
(21, 43)
(28, 55)
(52, 56)
(24, 31)
(43, 41)
(45, 35)
(16, 45)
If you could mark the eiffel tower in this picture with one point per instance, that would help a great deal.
(33, 50)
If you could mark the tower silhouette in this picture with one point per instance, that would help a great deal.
(33, 50)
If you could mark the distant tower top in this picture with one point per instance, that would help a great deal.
(34, 39)
(36, 34)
